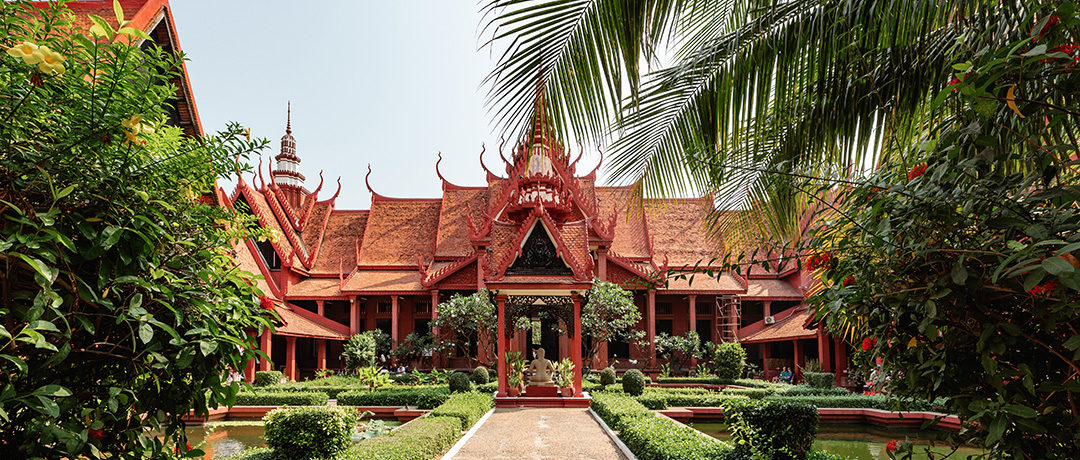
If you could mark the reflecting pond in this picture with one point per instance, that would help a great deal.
(223, 439)
(863, 442)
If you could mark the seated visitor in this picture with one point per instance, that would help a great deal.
(786, 375)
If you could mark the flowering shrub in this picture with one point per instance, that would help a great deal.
(121, 305)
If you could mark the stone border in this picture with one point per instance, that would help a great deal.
(625, 451)
(469, 434)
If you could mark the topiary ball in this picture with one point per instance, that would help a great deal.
(633, 382)
(480, 375)
(459, 382)
(607, 376)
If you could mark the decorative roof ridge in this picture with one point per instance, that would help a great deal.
(429, 279)
(309, 203)
(477, 233)
(626, 263)
(500, 270)
(377, 197)
(351, 211)
(490, 175)
(290, 232)
(264, 271)
(263, 220)
(592, 174)
(322, 234)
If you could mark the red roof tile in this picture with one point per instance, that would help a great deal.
(677, 229)
(337, 252)
(315, 287)
(629, 221)
(383, 281)
(303, 323)
(771, 288)
(453, 235)
(789, 328)
(702, 282)
(398, 230)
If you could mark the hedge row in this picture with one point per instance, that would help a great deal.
(850, 401)
(423, 397)
(426, 437)
(752, 393)
(281, 398)
(468, 407)
(806, 390)
(701, 380)
(651, 437)
(659, 401)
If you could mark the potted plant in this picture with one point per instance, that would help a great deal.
(515, 367)
(565, 371)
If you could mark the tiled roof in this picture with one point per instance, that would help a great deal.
(789, 328)
(245, 260)
(677, 229)
(771, 288)
(313, 226)
(383, 281)
(262, 210)
(313, 287)
(303, 323)
(575, 236)
(337, 252)
(398, 230)
(704, 282)
(629, 224)
(453, 237)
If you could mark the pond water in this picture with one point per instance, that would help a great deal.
(864, 442)
(223, 439)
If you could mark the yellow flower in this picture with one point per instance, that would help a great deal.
(51, 61)
(29, 52)
(130, 136)
(136, 126)
(247, 133)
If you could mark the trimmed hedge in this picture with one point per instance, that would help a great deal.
(752, 393)
(480, 375)
(851, 401)
(310, 432)
(423, 398)
(806, 390)
(331, 391)
(820, 379)
(700, 380)
(633, 382)
(755, 383)
(651, 437)
(468, 407)
(267, 378)
(253, 453)
(423, 438)
(488, 387)
(281, 398)
(771, 429)
(607, 376)
(459, 382)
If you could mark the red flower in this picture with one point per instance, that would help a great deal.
(97, 434)
(957, 80)
(266, 303)
(891, 446)
(1049, 23)
(849, 281)
(1070, 49)
(1044, 288)
(819, 261)
(868, 343)
(917, 171)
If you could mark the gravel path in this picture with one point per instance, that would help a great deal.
(539, 433)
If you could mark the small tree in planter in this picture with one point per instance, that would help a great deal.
(515, 368)
(609, 314)
(565, 371)
(472, 321)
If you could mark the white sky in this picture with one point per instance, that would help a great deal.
(389, 83)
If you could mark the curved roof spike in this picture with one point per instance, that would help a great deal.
(339, 188)
(316, 192)
(581, 151)
(270, 170)
(261, 181)
(239, 174)
(597, 168)
(502, 142)
(437, 171)
(366, 182)
(483, 148)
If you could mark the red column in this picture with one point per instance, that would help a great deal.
(798, 361)
(322, 307)
(266, 345)
(841, 360)
(393, 321)
(500, 347)
(692, 306)
(575, 345)
(601, 358)
(601, 272)
(824, 355)
(650, 326)
(436, 360)
(320, 346)
(249, 369)
(767, 308)
(764, 359)
(290, 358)
(354, 316)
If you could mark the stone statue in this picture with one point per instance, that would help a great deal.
(541, 370)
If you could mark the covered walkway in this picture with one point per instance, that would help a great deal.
(539, 433)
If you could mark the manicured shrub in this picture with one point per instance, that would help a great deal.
(607, 376)
(467, 407)
(729, 360)
(617, 410)
(459, 382)
(700, 380)
(755, 383)
(423, 438)
(633, 382)
(331, 391)
(752, 393)
(281, 398)
(488, 388)
(422, 398)
(651, 437)
(267, 378)
(849, 401)
(709, 400)
(807, 390)
(771, 429)
(309, 432)
(654, 401)
(480, 375)
(359, 351)
(820, 379)
(253, 453)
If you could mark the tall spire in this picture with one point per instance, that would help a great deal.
(287, 172)
(288, 118)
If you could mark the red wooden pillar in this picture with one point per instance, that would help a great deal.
(249, 369)
(765, 360)
(600, 361)
(290, 358)
(824, 355)
(320, 353)
(575, 345)
(266, 345)
(500, 341)
(650, 326)
(692, 306)
(354, 316)
(436, 359)
(394, 321)
(601, 272)
(841, 360)
(766, 308)
(321, 307)
(798, 360)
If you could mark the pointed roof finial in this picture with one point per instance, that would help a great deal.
(288, 118)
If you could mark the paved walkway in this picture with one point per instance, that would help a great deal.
(539, 433)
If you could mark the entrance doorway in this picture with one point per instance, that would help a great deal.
(544, 333)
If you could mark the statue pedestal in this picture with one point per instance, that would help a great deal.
(541, 391)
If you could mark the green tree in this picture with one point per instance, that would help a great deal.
(678, 350)
(609, 314)
(472, 321)
(359, 352)
(121, 308)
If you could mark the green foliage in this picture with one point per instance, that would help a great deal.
(608, 315)
(807, 390)
(423, 438)
(253, 453)
(752, 393)
(309, 432)
(651, 437)
(698, 380)
(564, 372)
(421, 398)
(459, 382)
(813, 365)
(657, 400)
(607, 376)
(728, 360)
(678, 349)
(415, 346)
(770, 429)
(359, 352)
(372, 377)
(281, 398)
(267, 378)
(515, 368)
(488, 388)
(850, 401)
(820, 379)
(384, 343)
(119, 296)
(470, 319)
(467, 407)
(633, 382)
(480, 375)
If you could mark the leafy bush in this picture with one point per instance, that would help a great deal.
(422, 398)
(309, 432)
(281, 398)
(607, 376)
(771, 429)
(820, 379)
(729, 360)
(654, 401)
(752, 393)
(467, 407)
(807, 390)
(267, 378)
(459, 382)
(423, 438)
(698, 380)
(755, 383)
(359, 351)
(633, 382)
(480, 375)
(330, 391)
(253, 453)
(488, 387)
(851, 401)
(649, 436)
